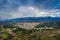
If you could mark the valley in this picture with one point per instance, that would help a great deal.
(30, 31)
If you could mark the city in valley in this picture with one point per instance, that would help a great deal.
(30, 31)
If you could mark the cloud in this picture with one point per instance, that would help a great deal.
(28, 8)
(30, 11)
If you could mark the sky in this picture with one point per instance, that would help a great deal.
(29, 8)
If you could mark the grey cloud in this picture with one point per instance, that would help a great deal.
(30, 11)
(25, 8)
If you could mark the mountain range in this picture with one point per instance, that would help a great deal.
(33, 19)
